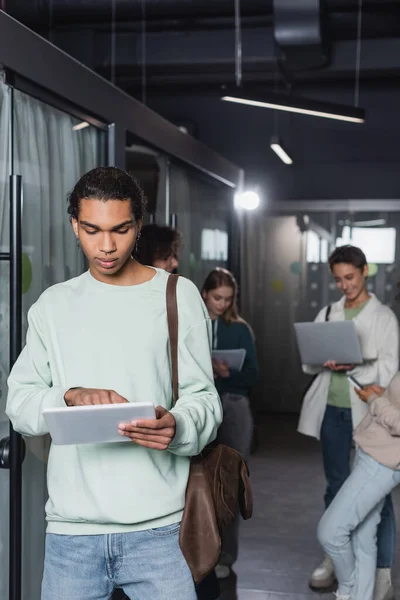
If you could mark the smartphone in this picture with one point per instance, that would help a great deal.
(354, 382)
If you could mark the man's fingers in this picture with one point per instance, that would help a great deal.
(129, 428)
(164, 440)
(161, 412)
(151, 433)
(166, 420)
(94, 397)
(116, 398)
(151, 424)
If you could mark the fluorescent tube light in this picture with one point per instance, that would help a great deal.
(81, 126)
(304, 106)
(371, 223)
(277, 147)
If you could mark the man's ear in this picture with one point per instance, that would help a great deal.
(74, 224)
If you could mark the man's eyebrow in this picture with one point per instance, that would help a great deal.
(119, 226)
(90, 225)
(124, 224)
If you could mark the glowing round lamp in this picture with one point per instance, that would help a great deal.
(247, 200)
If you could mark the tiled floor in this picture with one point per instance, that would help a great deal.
(278, 545)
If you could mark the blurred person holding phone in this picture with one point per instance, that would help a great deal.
(348, 529)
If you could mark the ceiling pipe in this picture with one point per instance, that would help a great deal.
(80, 11)
(36, 12)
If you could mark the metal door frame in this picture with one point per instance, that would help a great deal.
(12, 448)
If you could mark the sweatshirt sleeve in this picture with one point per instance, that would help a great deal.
(387, 357)
(386, 414)
(198, 412)
(248, 376)
(30, 388)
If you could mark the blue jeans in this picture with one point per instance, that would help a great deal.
(348, 529)
(147, 565)
(336, 441)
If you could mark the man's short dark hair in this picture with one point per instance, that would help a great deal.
(158, 242)
(350, 255)
(108, 183)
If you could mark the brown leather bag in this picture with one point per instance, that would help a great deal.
(218, 483)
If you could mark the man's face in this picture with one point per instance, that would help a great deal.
(107, 232)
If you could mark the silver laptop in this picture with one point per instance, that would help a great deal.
(320, 342)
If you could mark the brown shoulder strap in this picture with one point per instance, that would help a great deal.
(172, 316)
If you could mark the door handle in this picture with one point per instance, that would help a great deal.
(5, 445)
(5, 453)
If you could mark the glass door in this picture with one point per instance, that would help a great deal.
(52, 150)
(47, 150)
(5, 171)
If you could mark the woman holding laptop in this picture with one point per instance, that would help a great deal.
(332, 408)
(231, 332)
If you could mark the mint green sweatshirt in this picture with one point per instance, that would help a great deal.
(84, 333)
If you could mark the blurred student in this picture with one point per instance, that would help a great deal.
(348, 529)
(231, 332)
(160, 247)
(332, 409)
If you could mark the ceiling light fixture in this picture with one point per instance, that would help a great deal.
(305, 106)
(370, 223)
(81, 126)
(279, 150)
(248, 200)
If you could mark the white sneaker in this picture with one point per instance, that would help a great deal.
(324, 575)
(222, 571)
(383, 585)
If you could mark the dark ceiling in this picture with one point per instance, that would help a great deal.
(190, 43)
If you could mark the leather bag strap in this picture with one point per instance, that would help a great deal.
(172, 316)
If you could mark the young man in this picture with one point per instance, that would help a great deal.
(114, 509)
(332, 409)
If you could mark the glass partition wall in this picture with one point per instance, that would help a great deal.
(50, 150)
(201, 208)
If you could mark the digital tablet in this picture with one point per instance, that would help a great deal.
(95, 424)
(233, 358)
(320, 342)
